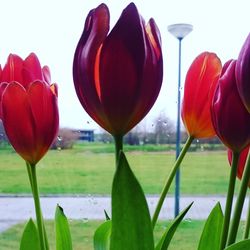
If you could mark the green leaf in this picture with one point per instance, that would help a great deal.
(169, 233)
(131, 223)
(30, 238)
(210, 237)
(242, 245)
(106, 215)
(102, 236)
(63, 237)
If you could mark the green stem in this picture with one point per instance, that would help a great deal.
(239, 204)
(118, 146)
(246, 233)
(30, 176)
(40, 223)
(229, 200)
(170, 179)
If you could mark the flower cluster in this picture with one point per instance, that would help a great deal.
(118, 76)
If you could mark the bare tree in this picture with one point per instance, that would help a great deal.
(164, 129)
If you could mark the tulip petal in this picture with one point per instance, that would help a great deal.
(243, 73)
(30, 119)
(13, 69)
(200, 83)
(46, 74)
(94, 33)
(3, 85)
(152, 75)
(122, 60)
(43, 104)
(31, 70)
(229, 116)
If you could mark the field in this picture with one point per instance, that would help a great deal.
(83, 233)
(89, 169)
(186, 237)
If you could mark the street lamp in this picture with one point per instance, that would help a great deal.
(179, 30)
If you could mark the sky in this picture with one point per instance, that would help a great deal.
(52, 28)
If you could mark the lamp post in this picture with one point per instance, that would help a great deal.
(179, 30)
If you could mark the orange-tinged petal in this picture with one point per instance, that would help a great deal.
(151, 77)
(201, 81)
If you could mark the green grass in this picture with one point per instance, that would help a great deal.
(80, 171)
(186, 236)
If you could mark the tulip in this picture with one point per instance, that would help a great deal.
(29, 107)
(241, 162)
(200, 84)
(2, 88)
(118, 76)
(242, 73)
(230, 118)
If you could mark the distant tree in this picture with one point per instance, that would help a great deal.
(133, 136)
(164, 129)
(65, 139)
(104, 136)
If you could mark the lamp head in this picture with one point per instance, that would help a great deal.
(180, 30)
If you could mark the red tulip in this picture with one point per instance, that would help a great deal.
(230, 118)
(3, 85)
(242, 73)
(118, 76)
(200, 84)
(241, 162)
(29, 107)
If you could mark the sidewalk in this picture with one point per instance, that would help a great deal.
(17, 209)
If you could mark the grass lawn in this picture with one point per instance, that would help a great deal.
(82, 235)
(186, 237)
(85, 170)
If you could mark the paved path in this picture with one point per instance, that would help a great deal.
(17, 209)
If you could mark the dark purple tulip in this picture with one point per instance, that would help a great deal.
(230, 118)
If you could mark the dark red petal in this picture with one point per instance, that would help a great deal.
(46, 74)
(94, 33)
(230, 118)
(152, 75)
(31, 70)
(13, 69)
(17, 120)
(242, 73)
(122, 62)
(3, 86)
(44, 110)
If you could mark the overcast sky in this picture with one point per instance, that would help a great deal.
(52, 28)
